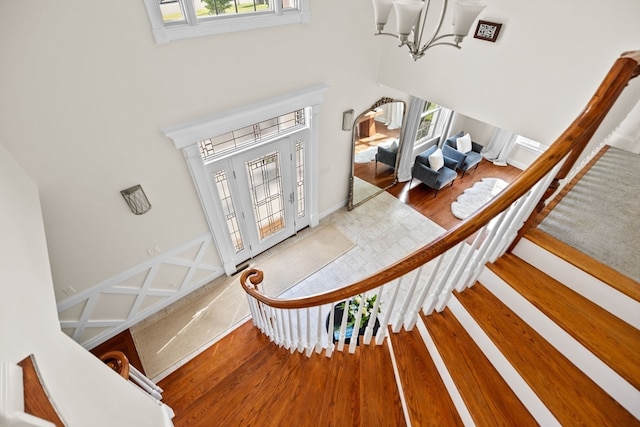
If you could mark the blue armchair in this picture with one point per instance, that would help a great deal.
(423, 171)
(466, 161)
(387, 155)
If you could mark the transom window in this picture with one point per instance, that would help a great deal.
(229, 142)
(179, 19)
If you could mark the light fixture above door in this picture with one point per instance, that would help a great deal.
(411, 17)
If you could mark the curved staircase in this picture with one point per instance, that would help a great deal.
(496, 332)
(516, 349)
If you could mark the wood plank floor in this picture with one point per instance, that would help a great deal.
(438, 209)
(245, 380)
(568, 393)
(427, 398)
(489, 399)
(613, 341)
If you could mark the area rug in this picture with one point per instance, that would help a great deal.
(183, 330)
(366, 156)
(599, 215)
(475, 197)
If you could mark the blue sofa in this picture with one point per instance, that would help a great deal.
(465, 161)
(434, 179)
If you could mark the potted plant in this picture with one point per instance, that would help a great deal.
(352, 311)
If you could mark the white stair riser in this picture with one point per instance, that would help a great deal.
(599, 372)
(610, 299)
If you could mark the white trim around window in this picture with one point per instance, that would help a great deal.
(187, 136)
(193, 27)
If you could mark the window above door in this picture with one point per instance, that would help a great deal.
(181, 19)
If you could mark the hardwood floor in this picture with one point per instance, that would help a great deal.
(438, 209)
(246, 380)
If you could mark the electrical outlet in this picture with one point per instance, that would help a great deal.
(68, 291)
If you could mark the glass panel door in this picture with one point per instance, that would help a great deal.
(267, 198)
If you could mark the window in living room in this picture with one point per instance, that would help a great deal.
(428, 120)
(180, 19)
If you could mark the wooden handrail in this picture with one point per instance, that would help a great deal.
(117, 361)
(575, 137)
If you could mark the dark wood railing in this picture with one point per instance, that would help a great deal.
(568, 146)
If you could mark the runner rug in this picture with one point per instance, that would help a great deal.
(599, 215)
(192, 324)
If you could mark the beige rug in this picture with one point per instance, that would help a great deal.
(181, 331)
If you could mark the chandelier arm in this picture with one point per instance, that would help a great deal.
(380, 33)
(419, 29)
(439, 44)
(432, 43)
(434, 36)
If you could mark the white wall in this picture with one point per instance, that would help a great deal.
(85, 92)
(548, 60)
(83, 389)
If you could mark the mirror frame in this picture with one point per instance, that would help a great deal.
(382, 101)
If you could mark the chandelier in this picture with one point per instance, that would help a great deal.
(411, 17)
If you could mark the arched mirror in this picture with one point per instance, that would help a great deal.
(375, 138)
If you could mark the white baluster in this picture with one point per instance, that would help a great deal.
(443, 300)
(435, 294)
(355, 335)
(343, 326)
(373, 317)
(479, 258)
(473, 256)
(398, 323)
(330, 344)
(301, 329)
(281, 339)
(268, 322)
(382, 332)
(409, 324)
(309, 344)
(289, 331)
(319, 339)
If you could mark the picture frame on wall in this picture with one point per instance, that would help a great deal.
(487, 31)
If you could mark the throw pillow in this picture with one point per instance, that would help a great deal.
(463, 144)
(436, 161)
(394, 145)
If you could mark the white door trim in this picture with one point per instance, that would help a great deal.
(187, 136)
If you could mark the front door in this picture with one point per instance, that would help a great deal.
(255, 189)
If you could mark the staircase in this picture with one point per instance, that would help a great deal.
(518, 348)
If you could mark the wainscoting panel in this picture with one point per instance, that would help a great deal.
(99, 313)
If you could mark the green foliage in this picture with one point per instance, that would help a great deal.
(367, 309)
(217, 7)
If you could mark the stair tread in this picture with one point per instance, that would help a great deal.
(428, 401)
(568, 393)
(245, 379)
(488, 397)
(380, 402)
(584, 262)
(207, 369)
(612, 340)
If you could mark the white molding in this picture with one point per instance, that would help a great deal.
(163, 34)
(89, 298)
(595, 290)
(200, 129)
(187, 136)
